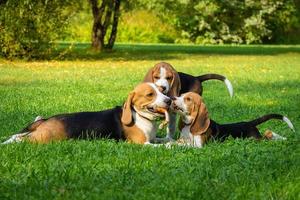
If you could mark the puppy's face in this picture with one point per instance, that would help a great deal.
(145, 99)
(185, 105)
(165, 77)
(193, 111)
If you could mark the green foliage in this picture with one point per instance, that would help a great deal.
(28, 26)
(135, 26)
(229, 21)
(265, 79)
(31, 28)
(80, 25)
(144, 27)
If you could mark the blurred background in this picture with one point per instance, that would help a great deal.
(34, 28)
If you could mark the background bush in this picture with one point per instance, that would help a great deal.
(27, 28)
(145, 27)
(229, 21)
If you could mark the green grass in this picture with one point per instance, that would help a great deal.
(266, 79)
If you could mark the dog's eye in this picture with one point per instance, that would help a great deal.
(150, 94)
(156, 77)
(188, 99)
(169, 78)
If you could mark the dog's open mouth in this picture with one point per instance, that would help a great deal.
(157, 111)
(176, 108)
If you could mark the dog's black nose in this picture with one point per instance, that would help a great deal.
(168, 101)
(162, 89)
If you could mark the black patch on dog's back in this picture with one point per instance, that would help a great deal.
(90, 125)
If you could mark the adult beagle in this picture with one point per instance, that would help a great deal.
(174, 83)
(197, 128)
(134, 122)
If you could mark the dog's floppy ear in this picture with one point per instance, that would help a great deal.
(149, 75)
(175, 86)
(201, 119)
(126, 114)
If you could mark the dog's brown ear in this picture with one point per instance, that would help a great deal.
(201, 119)
(175, 86)
(149, 75)
(126, 114)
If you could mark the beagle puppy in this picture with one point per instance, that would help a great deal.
(134, 122)
(197, 128)
(173, 83)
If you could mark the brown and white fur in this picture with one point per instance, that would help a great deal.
(197, 128)
(134, 122)
(173, 83)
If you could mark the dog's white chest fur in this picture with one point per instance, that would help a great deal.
(147, 126)
(189, 138)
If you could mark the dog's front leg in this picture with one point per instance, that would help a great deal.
(171, 127)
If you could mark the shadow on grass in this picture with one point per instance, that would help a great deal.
(82, 51)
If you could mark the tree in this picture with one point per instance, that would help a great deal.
(106, 17)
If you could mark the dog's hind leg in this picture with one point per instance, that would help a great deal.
(38, 118)
(19, 137)
(16, 138)
(270, 135)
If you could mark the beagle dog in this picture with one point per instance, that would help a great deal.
(197, 128)
(173, 83)
(134, 122)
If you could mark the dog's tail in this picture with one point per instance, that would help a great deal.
(265, 118)
(219, 77)
(26, 131)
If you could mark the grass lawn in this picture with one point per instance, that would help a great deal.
(266, 79)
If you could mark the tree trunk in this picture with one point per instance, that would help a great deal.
(114, 28)
(104, 16)
(97, 37)
(97, 30)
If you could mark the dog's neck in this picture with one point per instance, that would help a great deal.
(146, 125)
(186, 136)
(186, 120)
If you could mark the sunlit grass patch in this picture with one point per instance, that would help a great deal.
(266, 79)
